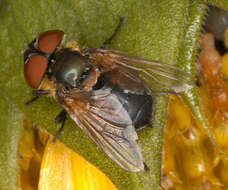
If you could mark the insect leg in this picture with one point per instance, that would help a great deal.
(40, 92)
(37, 94)
(61, 118)
(109, 40)
(32, 100)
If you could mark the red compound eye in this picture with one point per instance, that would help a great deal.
(34, 70)
(48, 41)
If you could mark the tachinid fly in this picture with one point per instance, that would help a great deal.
(107, 93)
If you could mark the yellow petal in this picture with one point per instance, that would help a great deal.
(224, 65)
(62, 168)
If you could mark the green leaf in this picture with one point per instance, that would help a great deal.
(10, 123)
(187, 58)
(222, 4)
(158, 30)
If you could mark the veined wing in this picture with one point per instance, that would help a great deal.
(157, 76)
(106, 122)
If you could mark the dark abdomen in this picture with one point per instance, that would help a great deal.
(138, 106)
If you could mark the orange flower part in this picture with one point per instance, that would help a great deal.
(216, 87)
(189, 158)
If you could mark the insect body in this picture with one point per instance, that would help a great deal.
(106, 93)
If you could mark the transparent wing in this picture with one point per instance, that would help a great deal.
(157, 76)
(105, 121)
